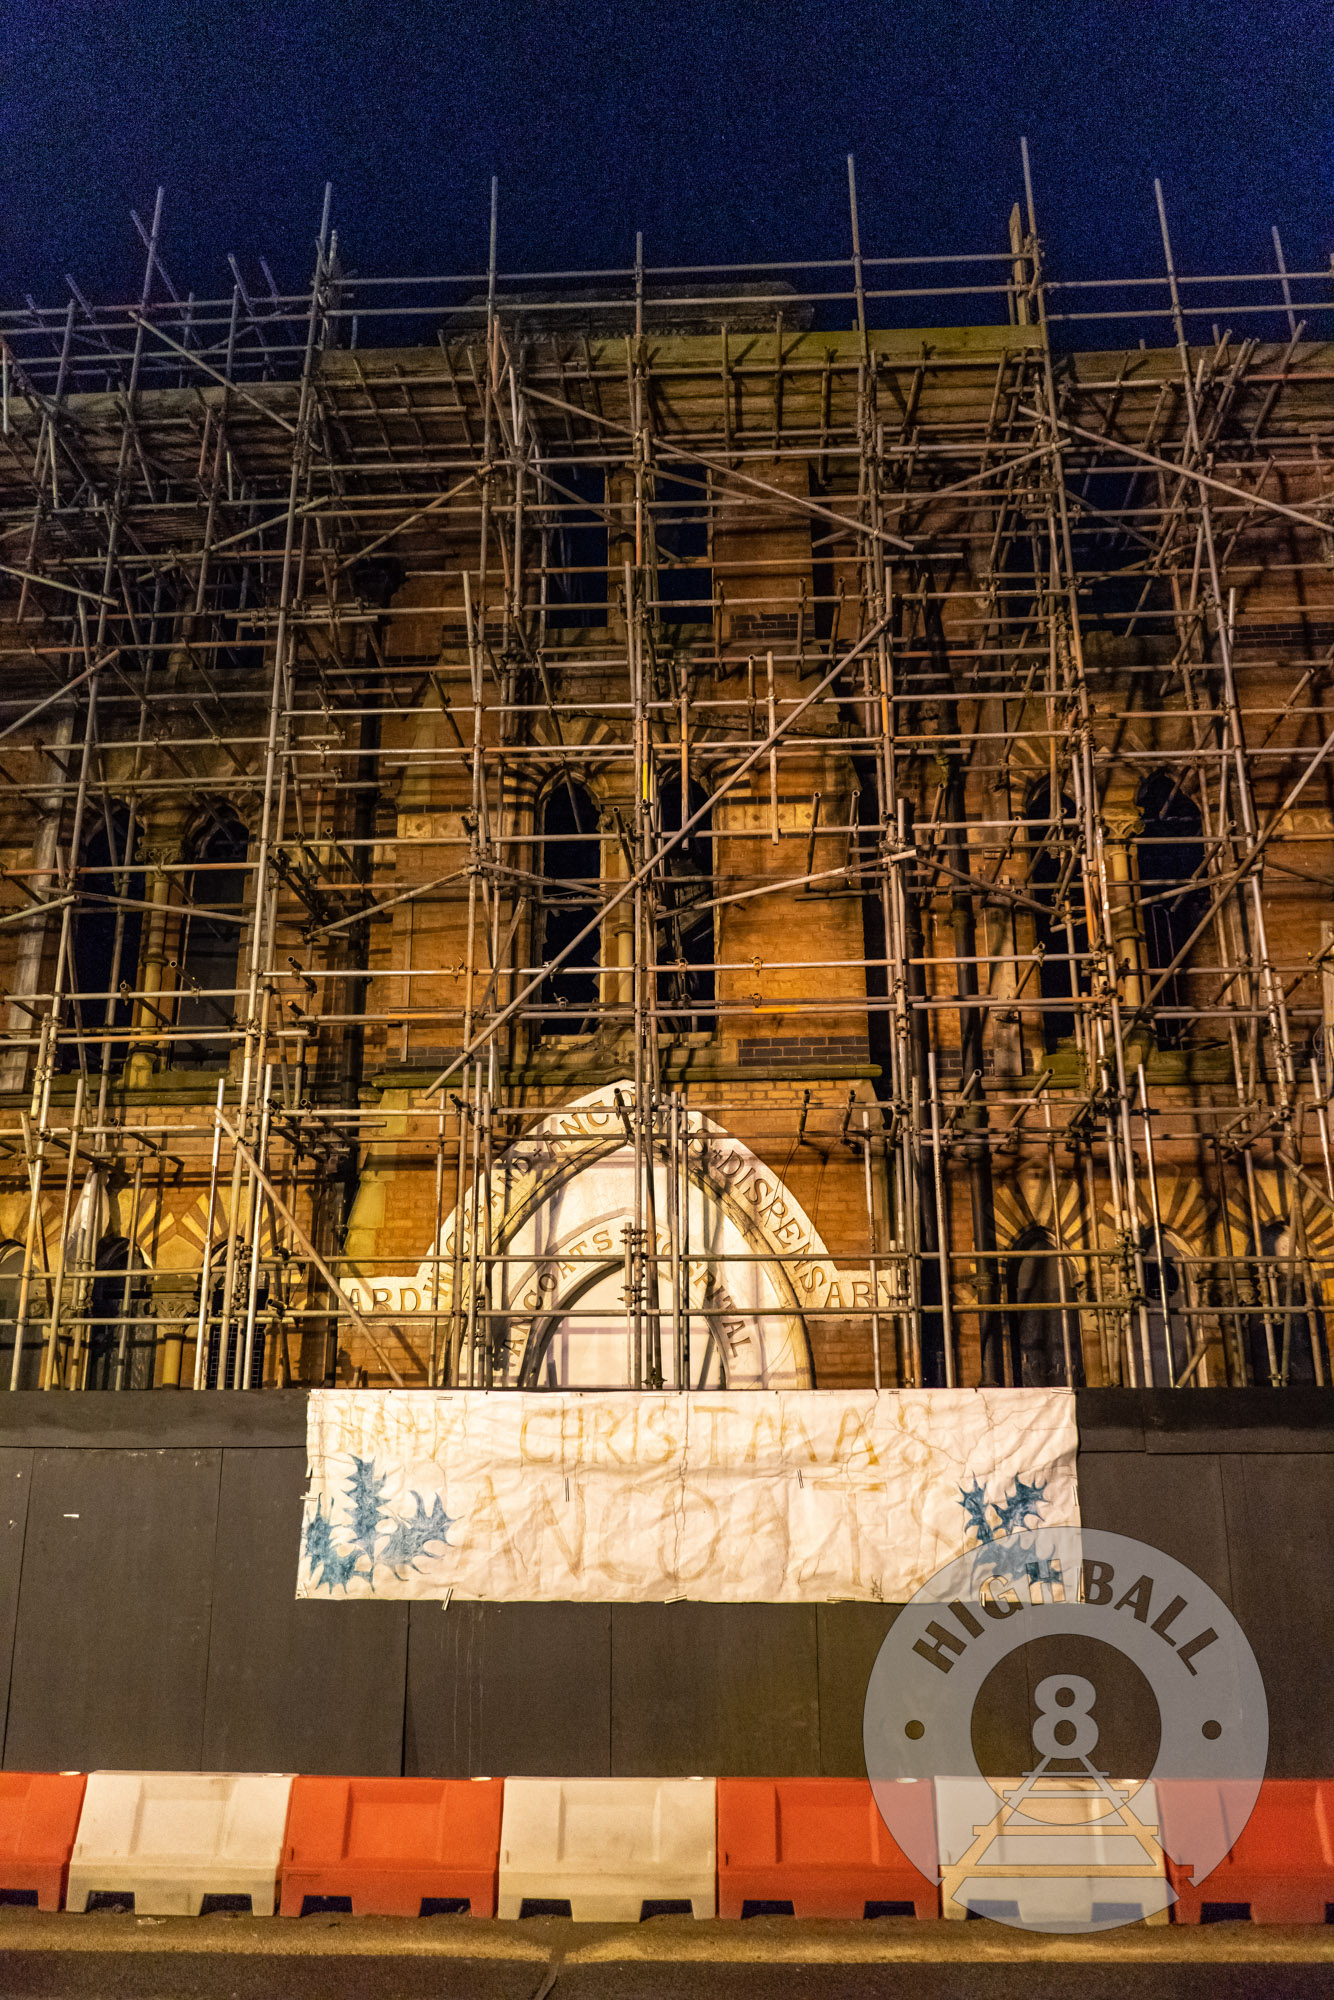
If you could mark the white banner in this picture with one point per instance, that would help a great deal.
(762, 1496)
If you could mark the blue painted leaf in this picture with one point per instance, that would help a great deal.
(974, 1502)
(366, 1494)
(410, 1536)
(1024, 1500)
(333, 1569)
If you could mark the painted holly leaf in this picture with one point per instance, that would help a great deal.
(411, 1536)
(329, 1570)
(973, 1500)
(366, 1493)
(1025, 1500)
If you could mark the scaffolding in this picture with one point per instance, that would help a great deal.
(837, 704)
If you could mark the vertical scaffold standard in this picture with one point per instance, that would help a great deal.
(587, 831)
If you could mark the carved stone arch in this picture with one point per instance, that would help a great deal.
(1024, 1203)
(1039, 783)
(1276, 1204)
(557, 1211)
(1189, 1213)
(205, 818)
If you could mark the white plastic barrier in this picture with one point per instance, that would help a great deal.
(607, 1846)
(171, 1838)
(991, 1857)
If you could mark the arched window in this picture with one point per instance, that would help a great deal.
(233, 646)
(236, 1325)
(211, 944)
(684, 929)
(1043, 1316)
(120, 1339)
(1172, 897)
(11, 1279)
(105, 954)
(1166, 1299)
(570, 864)
(576, 547)
(1054, 881)
(148, 622)
(1289, 1316)
(681, 539)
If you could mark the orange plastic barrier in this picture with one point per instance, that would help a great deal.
(39, 1817)
(1281, 1866)
(817, 1845)
(392, 1847)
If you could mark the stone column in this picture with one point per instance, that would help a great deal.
(158, 852)
(618, 939)
(1122, 824)
(175, 1305)
(32, 940)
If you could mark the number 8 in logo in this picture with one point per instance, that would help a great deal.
(1065, 1726)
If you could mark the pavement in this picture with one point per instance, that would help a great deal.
(122, 1957)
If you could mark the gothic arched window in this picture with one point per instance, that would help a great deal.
(576, 545)
(685, 940)
(233, 1363)
(108, 926)
(121, 1336)
(570, 864)
(11, 1284)
(1170, 852)
(1055, 883)
(681, 539)
(1043, 1315)
(1290, 1315)
(210, 946)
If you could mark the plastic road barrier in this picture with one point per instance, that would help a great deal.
(815, 1846)
(39, 1816)
(392, 1847)
(1006, 1871)
(172, 1839)
(1281, 1868)
(612, 1849)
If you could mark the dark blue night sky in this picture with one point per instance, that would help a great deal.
(720, 130)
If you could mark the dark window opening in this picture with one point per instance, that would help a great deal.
(1290, 1316)
(1119, 592)
(1060, 924)
(11, 1283)
(684, 931)
(1042, 1323)
(681, 537)
(121, 1335)
(210, 945)
(571, 868)
(236, 599)
(236, 1329)
(865, 849)
(825, 540)
(1170, 852)
(105, 947)
(577, 547)
(1169, 1334)
(1018, 580)
(147, 620)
